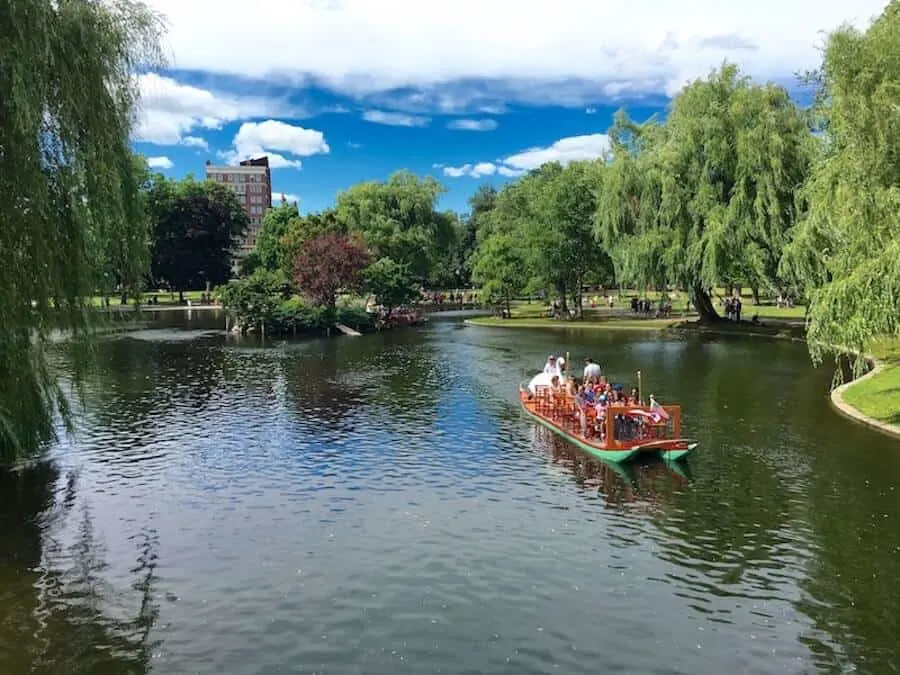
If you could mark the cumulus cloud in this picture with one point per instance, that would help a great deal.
(578, 50)
(169, 110)
(473, 125)
(160, 163)
(394, 119)
(565, 150)
(276, 139)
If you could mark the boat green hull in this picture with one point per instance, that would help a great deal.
(660, 447)
(605, 455)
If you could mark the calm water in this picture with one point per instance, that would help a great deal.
(379, 505)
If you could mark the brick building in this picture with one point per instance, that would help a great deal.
(251, 180)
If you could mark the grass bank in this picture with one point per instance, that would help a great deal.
(878, 396)
(875, 398)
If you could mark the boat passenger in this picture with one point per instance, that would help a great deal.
(551, 367)
(592, 370)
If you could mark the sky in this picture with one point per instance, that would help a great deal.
(470, 91)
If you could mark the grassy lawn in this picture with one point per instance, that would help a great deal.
(533, 315)
(879, 396)
(164, 298)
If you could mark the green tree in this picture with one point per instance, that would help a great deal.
(197, 226)
(399, 220)
(481, 205)
(710, 195)
(119, 261)
(565, 251)
(69, 186)
(499, 268)
(847, 248)
(268, 253)
(390, 282)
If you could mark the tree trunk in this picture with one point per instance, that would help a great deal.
(180, 297)
(508, 306)
(704, 305)
(563, 301)
(755, 291)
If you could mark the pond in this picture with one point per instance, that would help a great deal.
(380, 505)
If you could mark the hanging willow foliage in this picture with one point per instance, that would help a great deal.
(70, 211)
(848, 247)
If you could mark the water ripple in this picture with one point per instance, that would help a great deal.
(381, 506)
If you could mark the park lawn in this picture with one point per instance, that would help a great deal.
(533, 315)
(164, 297)
(879, 396)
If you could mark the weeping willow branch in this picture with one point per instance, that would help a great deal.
(70, 209)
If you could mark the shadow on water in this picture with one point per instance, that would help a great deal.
(55, 607)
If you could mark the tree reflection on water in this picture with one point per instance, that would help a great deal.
(55, 606)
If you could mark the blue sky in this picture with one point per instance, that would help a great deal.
(341, 91)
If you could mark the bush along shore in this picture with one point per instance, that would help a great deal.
(294, 317)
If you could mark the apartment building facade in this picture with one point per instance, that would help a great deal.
(251, 181)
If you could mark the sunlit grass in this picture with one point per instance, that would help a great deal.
(879, 396)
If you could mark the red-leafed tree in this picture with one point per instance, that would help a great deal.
(328, 263)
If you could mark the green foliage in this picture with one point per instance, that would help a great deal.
(255, 299)
(398, 220)
(846, 250)
(70, 212)
(268, 253)
(264, 300)
(710, 195)
(197, 226)
(499, 268)
(390, 282)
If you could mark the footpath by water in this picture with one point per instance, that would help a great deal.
(380, 505)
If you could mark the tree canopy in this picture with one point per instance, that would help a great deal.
(197, 227)
(70, 203)
(707, 197)
(846, 249)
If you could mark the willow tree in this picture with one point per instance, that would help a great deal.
(69, 186)
(627, 219)
(717, 198)
(848, 247)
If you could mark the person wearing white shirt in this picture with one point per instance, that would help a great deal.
(592, 370)
(551, 368)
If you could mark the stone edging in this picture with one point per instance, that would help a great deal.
(848, 411)
(837, 395)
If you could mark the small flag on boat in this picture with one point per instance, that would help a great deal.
(657, 409)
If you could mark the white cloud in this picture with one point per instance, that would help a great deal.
(354, 146)
(195, 142)
(565, 150)
(394, 119)
(160, 163)
(590, 110)
(273, 138)
(578, 50)
(169, 110)
(473, 125)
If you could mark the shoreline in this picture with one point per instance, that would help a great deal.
(684, 325)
